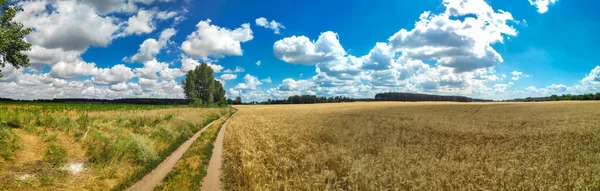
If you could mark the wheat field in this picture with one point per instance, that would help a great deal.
(414, 146)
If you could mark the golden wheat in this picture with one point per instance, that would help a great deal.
(414, 146)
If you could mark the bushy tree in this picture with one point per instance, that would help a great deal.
(201, 88)
(11, 37)
(219, 93)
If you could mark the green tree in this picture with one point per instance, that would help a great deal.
(200, 86)
(219, 93)
(11, 37)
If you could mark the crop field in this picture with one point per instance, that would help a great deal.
(414, 146)
(45, 146)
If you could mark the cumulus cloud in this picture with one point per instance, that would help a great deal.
(464, 45)
(301, 50)
(151, 47)
(110, 6)
(273, 25)
(250, 83)
(542, 5)
(236, 70)
(74, 69)
(188, 64)
(214, 41)
(164, 15)
(141, 23)
(227, 77)
(516, 75)
(267, 80)
(117, 74)
(68, 25)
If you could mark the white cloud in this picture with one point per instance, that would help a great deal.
(150, 69)
(300, 50)
(69, 25)
(211, 40)
(41, 55)
(117, 74)
(250, 83)
(267, 80)
(542, 5)
(188, 64)
(516, 75)
(464, 45)
(290, 84)
(109, 6)
(74, 69)
(164, 15)
(236, 70)
(273, 25)
(141, 23)
(227, 77)
(151, 47)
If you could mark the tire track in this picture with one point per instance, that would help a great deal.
(212, 180)
(152, 179)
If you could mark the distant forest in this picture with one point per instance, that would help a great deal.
(306, 99)
(564, 97)
(309, 99)
(397, 96)
(146, 101)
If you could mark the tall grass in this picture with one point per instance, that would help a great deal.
(118, 143)
(9, 142)
(414, 146)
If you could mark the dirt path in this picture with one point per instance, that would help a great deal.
(212, 180)
(152, 179)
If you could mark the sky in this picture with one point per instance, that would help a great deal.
(491, 49)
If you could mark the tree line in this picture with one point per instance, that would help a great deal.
(144, 101)
(564, 97)
(398, 96)
(307, 99)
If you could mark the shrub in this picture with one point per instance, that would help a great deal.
(9, 142)
(55, 155)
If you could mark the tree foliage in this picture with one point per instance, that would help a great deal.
(564, 97)
(12, 35)
(201, 88)
(397, 96)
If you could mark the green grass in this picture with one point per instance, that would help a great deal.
(118, 143)
(9, 142)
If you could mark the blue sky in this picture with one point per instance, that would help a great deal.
(142, 48)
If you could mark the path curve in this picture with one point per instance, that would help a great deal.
(152, 179)
(212, 180)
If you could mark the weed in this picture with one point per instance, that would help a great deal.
(9, 142)
(55, 155)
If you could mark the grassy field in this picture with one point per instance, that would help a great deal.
(90, 146)
(414, 146)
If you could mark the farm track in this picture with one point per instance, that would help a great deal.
(212, 180)
(152, 179)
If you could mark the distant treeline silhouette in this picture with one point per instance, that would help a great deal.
(555, 97)
(145, 101)
(307, 99)
(398, 96)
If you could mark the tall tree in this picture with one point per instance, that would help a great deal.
(219, 94)
(12, 35)
(200, 84)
